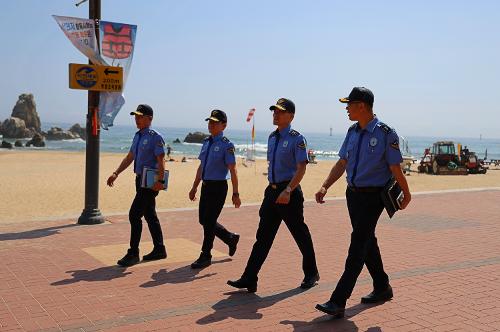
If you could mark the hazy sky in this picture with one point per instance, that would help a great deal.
(432, 65)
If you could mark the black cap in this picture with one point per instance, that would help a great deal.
(359, 94)
(217, 116)
(143, 109)
(284, 104)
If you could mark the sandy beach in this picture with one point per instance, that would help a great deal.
(38, 185)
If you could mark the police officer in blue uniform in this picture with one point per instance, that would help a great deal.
(283, 199)
(147, 150)
(217, 161)
(371, 157)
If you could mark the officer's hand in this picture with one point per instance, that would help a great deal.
(112, 179)
(192, 194)
(236, 201)
(157, 186)
(320, 195)
(406, 200)
(283, 198)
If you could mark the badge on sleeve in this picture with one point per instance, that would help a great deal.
(230, 150)
(395, 145)
(302, 145)
(373, 141)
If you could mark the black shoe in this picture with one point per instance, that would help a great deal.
(251, 286)
(233, 243)
(159, 252)
(203, 261)
(378, 296)
(131, 258)
(331, 308)
(309, 282)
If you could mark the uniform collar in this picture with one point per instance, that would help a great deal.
(370, 126)
(217, 137)
(284, 131)
(143, 131)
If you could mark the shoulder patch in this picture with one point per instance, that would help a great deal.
(230, 149)
(395, 144)
(384, 127)
(302, 145)
(225, 139)
(294, 132)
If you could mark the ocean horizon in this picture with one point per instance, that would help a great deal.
(325, 146)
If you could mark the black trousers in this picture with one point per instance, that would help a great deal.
(144, 204)
(364, 210)
(271, 215)
(213, 196)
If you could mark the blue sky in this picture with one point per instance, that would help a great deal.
(433, 65)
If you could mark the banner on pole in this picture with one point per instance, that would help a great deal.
(81, 33)
(117, 48)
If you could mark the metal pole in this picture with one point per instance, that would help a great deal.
(91, 214)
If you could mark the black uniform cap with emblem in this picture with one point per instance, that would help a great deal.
(217, 116)
(143, 109)
(359, 94)
(285, 105)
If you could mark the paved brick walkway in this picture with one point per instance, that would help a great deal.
(442, 254)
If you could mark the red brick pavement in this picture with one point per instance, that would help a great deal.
(442, 254)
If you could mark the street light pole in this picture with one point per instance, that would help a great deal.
(91, 214)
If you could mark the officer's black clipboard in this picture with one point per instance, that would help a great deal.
(391, 195)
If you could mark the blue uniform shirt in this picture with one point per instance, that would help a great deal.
(369, 153)
(216, 154)
(285, 149)
(146, 146)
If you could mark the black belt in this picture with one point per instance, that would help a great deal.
(279, 184)
(214, 181)
(365, 189)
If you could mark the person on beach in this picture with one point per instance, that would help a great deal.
(283, 199)
(370, 154)
(217, 161)
(147, 150)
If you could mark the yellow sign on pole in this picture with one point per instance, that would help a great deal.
(95, 78)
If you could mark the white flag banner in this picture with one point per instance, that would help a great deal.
(81, 33)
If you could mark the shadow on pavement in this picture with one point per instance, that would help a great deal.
(328, 323)
(100, 274)
(179, 276)
(243, 305)
(34, 233)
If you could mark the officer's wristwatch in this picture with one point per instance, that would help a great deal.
(288, 189)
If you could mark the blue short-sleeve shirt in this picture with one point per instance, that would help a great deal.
(146, 146)
(369, 152)
(285, 149)
(216, 154)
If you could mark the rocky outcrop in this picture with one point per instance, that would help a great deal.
(196, 137)
(78, 130)
(25, 109)
(57, 134)
(16, 128)
(6, 145)
(177, 140)
(18, 144)
(37, 141)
